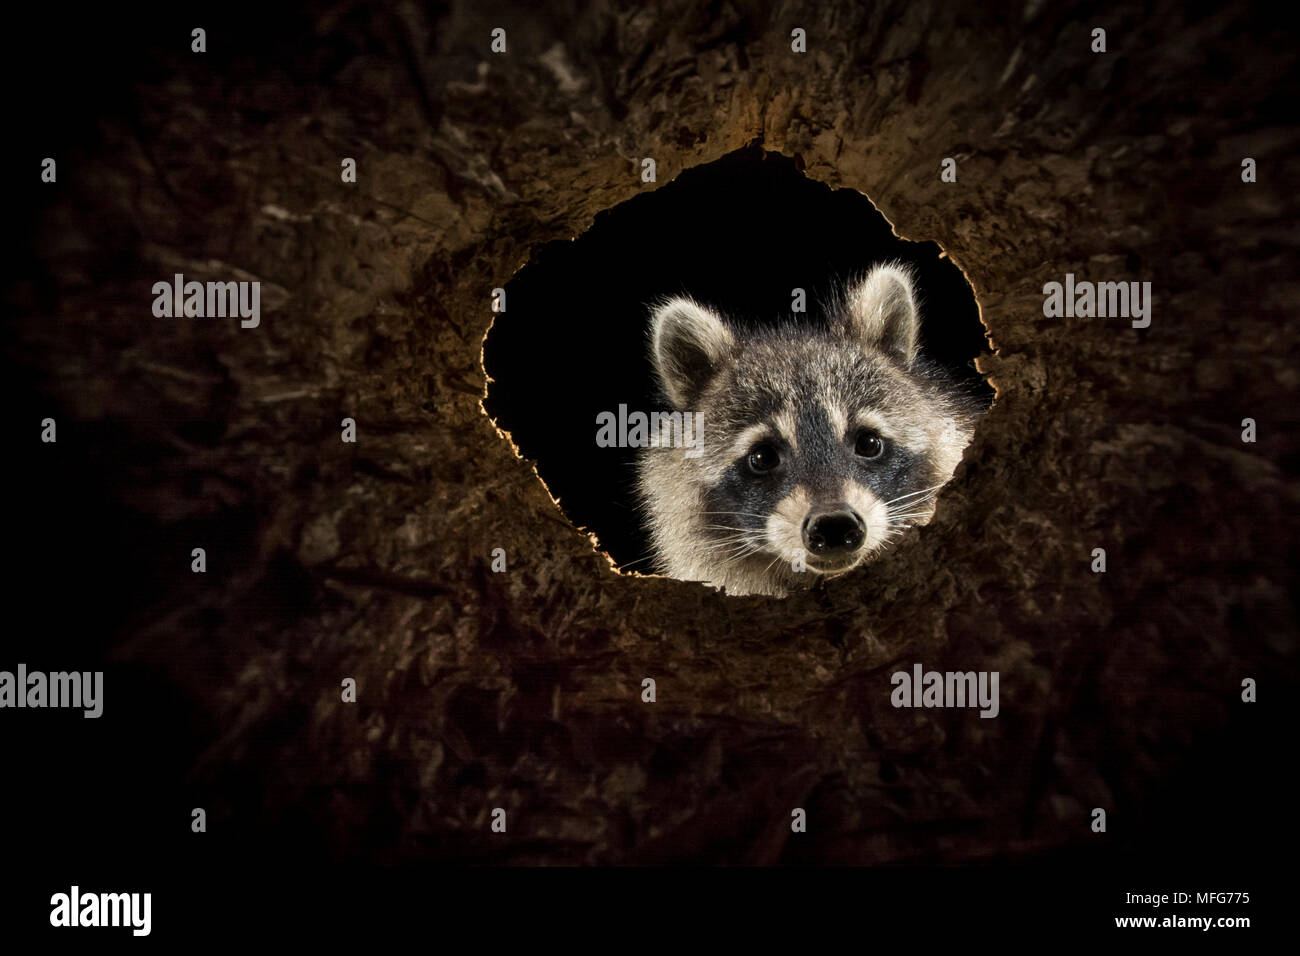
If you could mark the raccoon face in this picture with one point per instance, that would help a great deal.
(819, 446)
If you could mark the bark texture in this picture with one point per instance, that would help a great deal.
(522, 690)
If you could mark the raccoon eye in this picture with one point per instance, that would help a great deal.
(869, 445)
(762, 459)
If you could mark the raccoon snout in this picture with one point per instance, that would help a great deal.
(833, 534)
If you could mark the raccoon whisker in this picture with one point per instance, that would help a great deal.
(732, 559)
(734, 549)
(733, 539)
(624, 567)
(737, 534)
(747, 514)
(741, 540)
(923, 491)
(744, 541)
(744, 537)
(911, 507)
(907, 506)
(737, 552)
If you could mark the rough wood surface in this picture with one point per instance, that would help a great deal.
(522, 690)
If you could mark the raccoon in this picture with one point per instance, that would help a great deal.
(819, 445)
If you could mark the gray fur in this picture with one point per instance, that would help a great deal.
(807, 394)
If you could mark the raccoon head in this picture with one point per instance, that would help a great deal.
(819, 446)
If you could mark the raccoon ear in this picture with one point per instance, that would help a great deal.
(882, 312)
(688, 343)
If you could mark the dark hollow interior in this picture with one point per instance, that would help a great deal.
(738, 234)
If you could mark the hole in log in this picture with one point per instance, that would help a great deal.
(742, 235)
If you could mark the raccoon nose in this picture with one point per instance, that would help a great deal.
(833, 534)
